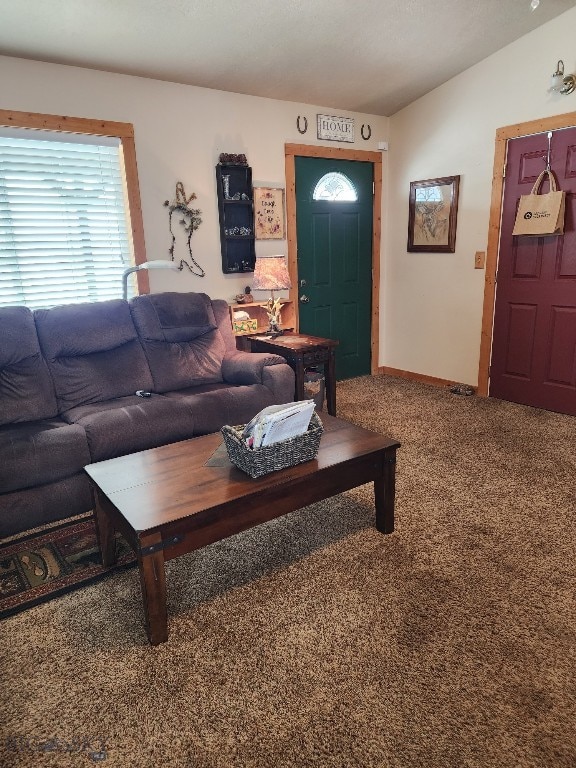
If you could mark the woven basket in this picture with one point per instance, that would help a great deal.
(269, 458)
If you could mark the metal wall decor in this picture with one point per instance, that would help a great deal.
(191, 221)
(305, 121)
(332, 128)
(368, 132)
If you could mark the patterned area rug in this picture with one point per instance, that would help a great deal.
(46, 564)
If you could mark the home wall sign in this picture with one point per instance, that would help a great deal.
(332, 128)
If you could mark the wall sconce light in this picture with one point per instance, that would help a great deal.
(561, 83)
(156, 264)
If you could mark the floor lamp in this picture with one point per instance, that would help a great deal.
(156, 264)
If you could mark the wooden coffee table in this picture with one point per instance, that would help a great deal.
(177, 498)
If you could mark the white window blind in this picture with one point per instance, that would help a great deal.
(63, 228)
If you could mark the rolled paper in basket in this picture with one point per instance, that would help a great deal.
(270, 458)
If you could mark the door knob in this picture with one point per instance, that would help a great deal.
(304, 299)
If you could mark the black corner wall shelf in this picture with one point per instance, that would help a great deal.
(236, 213)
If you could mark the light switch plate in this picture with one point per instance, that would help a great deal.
(479, 260)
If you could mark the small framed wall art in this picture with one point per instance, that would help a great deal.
(269, 213)
(433, 212)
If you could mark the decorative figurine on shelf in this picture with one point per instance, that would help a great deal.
(190, 222)
(273, 307)
(244, 298)
(226, 187)
(228, 159)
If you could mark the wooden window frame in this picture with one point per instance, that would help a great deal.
(122, 131)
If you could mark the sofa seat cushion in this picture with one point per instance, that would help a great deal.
(218, 404)
(130, 424)
(39, 452)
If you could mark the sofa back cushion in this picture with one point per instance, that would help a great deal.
(222, 315)
(181, 339)
(26, 390)
(93, 352)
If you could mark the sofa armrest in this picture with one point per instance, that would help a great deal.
(248, 367)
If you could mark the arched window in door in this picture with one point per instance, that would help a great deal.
(335, 187)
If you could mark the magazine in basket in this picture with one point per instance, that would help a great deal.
(277, 423)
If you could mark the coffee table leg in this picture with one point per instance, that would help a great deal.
(384, 492)
(104, 530)
(153, 583)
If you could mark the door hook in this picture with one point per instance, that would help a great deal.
(548, 157)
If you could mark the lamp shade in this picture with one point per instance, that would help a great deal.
(271, 274)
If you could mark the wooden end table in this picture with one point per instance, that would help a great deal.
(171, 500)
(300, 351)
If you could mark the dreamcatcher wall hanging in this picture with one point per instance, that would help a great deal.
(190, 221)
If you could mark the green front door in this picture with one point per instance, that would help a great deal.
(334, 231)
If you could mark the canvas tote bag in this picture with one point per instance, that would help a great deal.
(541, 214)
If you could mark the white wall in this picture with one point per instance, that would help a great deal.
(431, 304)
(431, 309)
(180, 132)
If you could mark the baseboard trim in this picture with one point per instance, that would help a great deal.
(420, 377)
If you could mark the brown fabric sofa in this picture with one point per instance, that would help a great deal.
(68, 382)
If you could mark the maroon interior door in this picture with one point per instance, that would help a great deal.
(534, 337)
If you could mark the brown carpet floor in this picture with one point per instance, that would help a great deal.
(316, 641)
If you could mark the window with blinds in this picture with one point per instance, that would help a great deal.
(64, 235)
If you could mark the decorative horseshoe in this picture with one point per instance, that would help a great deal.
(362, 132)
(298, 124)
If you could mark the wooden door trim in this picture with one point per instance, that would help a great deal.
(292, 151)
(502, 136)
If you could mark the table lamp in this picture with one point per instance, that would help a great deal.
(271, 274)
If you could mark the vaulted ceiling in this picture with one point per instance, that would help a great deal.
(373, 56)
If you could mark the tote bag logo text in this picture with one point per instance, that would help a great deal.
(536, 215)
